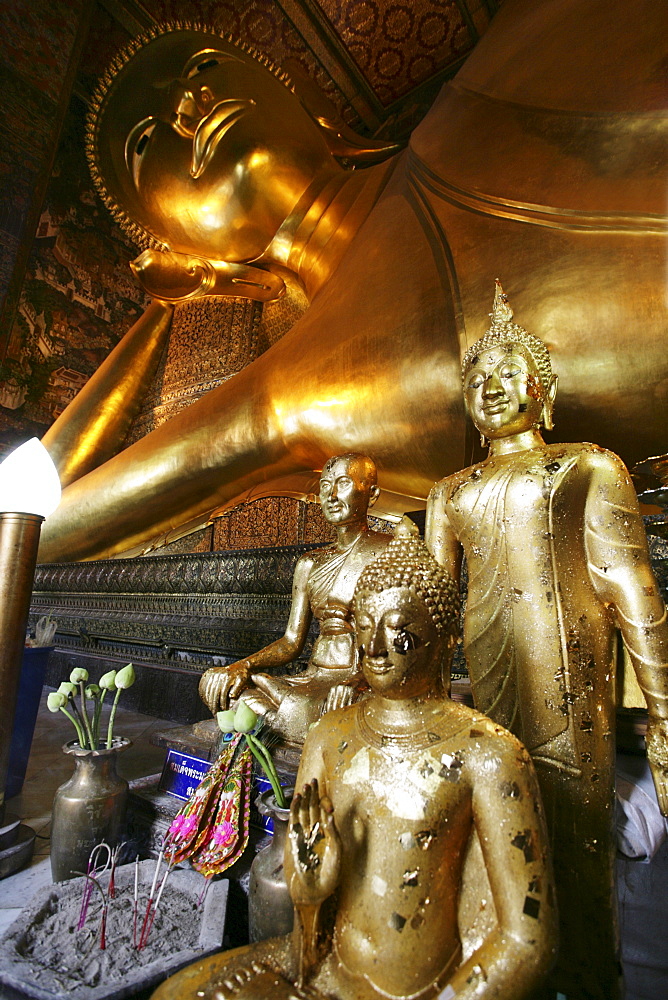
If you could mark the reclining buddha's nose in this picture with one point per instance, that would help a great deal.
(190, 103)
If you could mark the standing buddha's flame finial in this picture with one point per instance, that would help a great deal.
(502, 312)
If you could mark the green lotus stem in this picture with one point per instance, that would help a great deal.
(110, 728)
(80, 735)
(263, 758)
(75, 709)
(84, 713)
(97, 715)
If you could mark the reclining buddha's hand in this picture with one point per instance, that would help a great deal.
(220, 684)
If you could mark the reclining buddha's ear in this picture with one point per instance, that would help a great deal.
(352, 150)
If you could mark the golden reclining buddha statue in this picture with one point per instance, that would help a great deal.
(540, 160)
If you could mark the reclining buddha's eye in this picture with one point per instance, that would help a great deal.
(200, 62)
(201, 66)
(136, 144)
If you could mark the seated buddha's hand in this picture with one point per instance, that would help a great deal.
(219, 684)
(275, 688)
(341, 695)
(261, 704)
(315, 847)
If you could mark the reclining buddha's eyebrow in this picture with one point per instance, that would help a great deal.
(206, 59)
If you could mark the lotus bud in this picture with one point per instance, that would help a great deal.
(55, 701)
(108, 681)
(67, 688)
(245, 718)
(78, 674)
(92, 691)
(125, 678)
(226, 721)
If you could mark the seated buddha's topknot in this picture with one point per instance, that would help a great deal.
(407, 562)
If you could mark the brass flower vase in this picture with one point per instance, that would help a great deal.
(270, 912)
(87, 809)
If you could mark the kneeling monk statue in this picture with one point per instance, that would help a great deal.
(408, 796)
(557, 557)
(323, 586)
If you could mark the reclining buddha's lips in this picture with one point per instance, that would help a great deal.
(211, 130)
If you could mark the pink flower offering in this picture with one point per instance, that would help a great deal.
(223, 833)
(182, 826)
(175, 828)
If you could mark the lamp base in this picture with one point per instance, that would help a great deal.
(17, 843)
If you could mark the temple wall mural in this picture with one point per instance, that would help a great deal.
(77, 300)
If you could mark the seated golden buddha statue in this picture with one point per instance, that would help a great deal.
(323, 586)
(233, 177)
(408, 797)
(557, 560)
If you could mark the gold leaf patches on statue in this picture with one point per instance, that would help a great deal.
(378, 885)
(524, 842)
(510, 790)
(424, 839)
(452, 765)
(358, 769)
(397, 922)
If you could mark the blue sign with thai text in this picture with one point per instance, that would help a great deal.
(182, 774)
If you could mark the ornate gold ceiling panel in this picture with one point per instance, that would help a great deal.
(379, 61)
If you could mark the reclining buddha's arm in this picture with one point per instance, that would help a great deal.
(94, 425)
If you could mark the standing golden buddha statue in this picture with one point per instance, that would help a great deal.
(557, 557)
(323, 587)
(410, 799)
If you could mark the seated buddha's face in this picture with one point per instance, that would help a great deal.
(204, 147)
(399, 644)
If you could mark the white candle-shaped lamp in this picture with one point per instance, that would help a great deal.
(29, 492)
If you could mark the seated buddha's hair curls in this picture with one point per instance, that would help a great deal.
(407, 562)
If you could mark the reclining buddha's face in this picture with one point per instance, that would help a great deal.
(204, 147)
